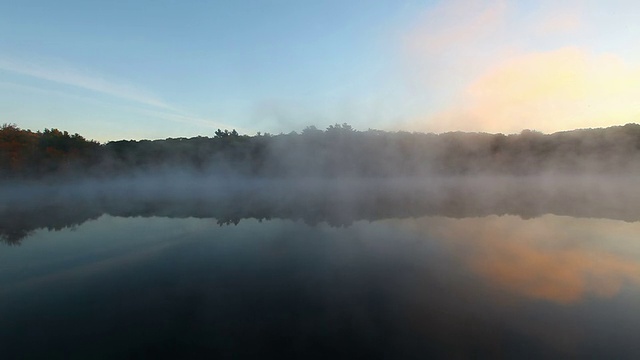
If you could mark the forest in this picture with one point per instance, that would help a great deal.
(338, 151)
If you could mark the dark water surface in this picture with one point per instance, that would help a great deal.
(150, 284)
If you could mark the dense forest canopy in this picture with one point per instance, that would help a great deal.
(337, 151)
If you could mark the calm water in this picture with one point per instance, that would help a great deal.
(155, 284)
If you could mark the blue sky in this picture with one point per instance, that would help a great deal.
(156, 69)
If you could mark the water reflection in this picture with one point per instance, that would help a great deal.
(338, 203)
(346, 271)
(560, 259)
(495, 286)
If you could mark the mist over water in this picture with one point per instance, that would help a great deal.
(393, 253)
(338, 201)
(470, 192)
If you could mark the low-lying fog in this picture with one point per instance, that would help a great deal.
(53, 179)
(27, 206)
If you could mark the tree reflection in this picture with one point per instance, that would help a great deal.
(338, 204)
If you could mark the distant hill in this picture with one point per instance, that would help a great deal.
(337, 151)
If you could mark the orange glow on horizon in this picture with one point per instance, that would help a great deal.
(551, 91)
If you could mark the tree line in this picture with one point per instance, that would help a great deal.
(338, 150)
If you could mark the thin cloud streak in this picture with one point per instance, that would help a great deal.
(174, 117)
(68, 76)
(191, 119)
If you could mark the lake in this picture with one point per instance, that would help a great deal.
(464, 272)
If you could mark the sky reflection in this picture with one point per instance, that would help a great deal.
(553, 258)
(494, 286)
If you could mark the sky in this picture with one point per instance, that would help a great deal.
(114, 70)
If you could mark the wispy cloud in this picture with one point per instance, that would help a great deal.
(564, 21)
(548, 91)
(503, 66)
(452, 24)
(193, 120)
(64, 74)
(139, 100)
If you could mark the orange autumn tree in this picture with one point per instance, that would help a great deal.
(27, 152)
(17, 148)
